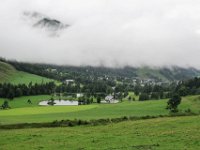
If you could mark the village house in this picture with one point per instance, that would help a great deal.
(109, 99)
(69, 81)
(79, 95)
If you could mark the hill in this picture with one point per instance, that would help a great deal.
(76, 72)
(85, 73)
(9, 74)
(170, 74)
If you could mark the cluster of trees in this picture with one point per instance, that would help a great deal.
(5, 105)
(188, 87)
(97, 89)
(85, 100)
(158, 92)
(10, 91)
(184, 88)
(149, 91)
(173, 103)
(92, 88)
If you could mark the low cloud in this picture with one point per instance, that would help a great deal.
(113, 33)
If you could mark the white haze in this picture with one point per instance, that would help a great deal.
(112, 33)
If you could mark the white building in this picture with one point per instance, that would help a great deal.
(68, 81)
(109, 99)
(79, 95)
(59, 103)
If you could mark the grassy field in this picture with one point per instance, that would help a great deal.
(175, 133)
(23, 112)
(11, 75)
(178, 133)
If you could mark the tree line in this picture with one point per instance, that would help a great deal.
(188, 87)
(10, 91)
(148, 91)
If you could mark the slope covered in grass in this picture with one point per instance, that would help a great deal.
(9, 74)
(147, 72)
(6, 71)
(153, 134)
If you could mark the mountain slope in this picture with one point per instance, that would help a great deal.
(167, 74)
(52, 27)
(9, 74)
(6, 71)
(88, 72)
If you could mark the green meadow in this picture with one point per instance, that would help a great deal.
(177, 133)
(162, 133)
(21, 111)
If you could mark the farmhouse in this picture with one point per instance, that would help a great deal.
(51, 70)
(68, 81)
(79, 95)
(109, 99)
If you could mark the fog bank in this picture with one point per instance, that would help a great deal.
(112, 33)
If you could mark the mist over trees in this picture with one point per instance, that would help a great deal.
(97, 82)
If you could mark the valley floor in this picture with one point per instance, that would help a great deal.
(22, 112)
(167, 133)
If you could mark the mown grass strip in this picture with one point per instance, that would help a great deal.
(79, 122)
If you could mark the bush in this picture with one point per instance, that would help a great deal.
(143, 97)
(5, 105)
(173, 103)
(188, 110)
(98, 99)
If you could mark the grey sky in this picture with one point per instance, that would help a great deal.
(104, 32)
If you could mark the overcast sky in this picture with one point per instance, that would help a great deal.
(104, 32)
